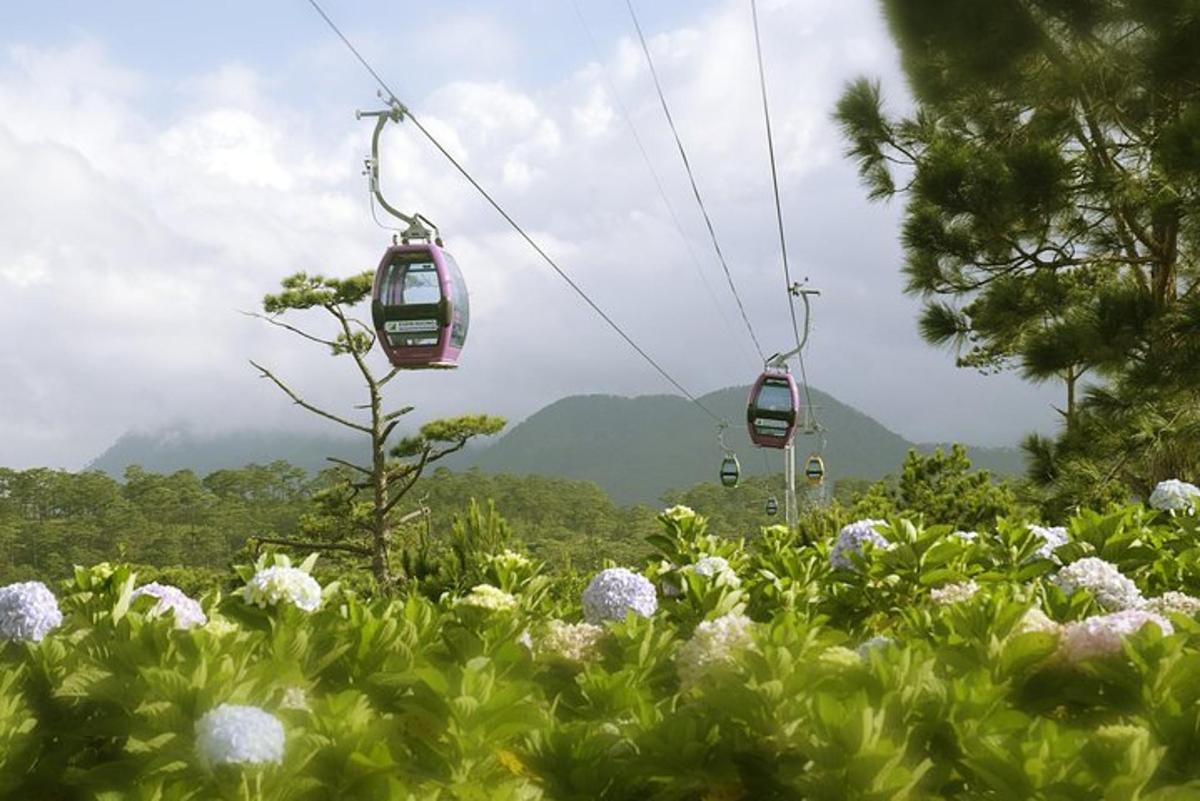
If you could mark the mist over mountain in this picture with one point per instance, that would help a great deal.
(634, 448)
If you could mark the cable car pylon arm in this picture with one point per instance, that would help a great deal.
(419, 226)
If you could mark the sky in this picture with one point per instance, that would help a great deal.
(165, 165)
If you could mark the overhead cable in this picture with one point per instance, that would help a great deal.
(787, 274)
(687, 165)
(509, 219)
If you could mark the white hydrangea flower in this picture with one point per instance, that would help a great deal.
(679, 513)
(572, 642)
(840, 657)
(1102, 635)
(232, 734)
(172, 599)
(965, 536)
(1175, 603)
(295, 698)
(1052, 537)
(872, 644)
(616, 591)
(1036, 620)
(526, 639)
(220, 626)
(1112, 590)
(291, 584)
(510, 559)
(954, 593)
(714, 566)
(1174, 495)
(28, 612)
(850, 540)
(716, 646)
(488, 598)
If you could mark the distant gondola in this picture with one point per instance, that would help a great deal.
(772, 506)
(814, 470)
(420, 306)
(731, 471)
(772, 409)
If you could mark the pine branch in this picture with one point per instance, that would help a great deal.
(351, 465)
(322, 546)
(287, 327)
(305, 404)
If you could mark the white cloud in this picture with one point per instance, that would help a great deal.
(140, 215)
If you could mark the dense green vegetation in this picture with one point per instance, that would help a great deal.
(890, 660)
(52, 520)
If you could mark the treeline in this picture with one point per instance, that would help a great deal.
(51, 520)
(188, 529)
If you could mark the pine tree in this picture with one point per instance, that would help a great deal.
(1051, 173)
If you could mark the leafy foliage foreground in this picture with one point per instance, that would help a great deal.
(927, 663)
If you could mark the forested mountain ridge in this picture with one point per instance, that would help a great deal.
(636, 449)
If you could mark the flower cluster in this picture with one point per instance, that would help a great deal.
(965, 536)
(271, 585)
(295, 698)
(232, 734)
(1174, 495)
(715, 647)
(572, 642)
(1102, 635)
(873, 644)
(1174, 603)
(28, 612)
(840, 657)
(1052, 537)
(172, 599)
(1035, 620)
(488, 598)
(954, 593)
(510, 560)
(1112, 590)
(614, 592)
(851, 539)
(715, 567)
(678, 514)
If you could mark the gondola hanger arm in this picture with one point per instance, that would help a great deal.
(418, 225)
(803, 292)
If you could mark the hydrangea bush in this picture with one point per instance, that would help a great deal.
(918, 664)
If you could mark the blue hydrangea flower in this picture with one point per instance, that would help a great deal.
(615, 592)
(28, 612)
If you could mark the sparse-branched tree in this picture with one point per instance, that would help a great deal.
(366, 501)
(1051, 170)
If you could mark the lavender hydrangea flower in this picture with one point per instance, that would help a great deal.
(1112, 590)
(851, 539)
(874, 643)
(1103, 635)
(1052, 537)
(28, 612)
(172, 599)
(1174, 495)
(616, 591)
(232, 734)
(1175, 603)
